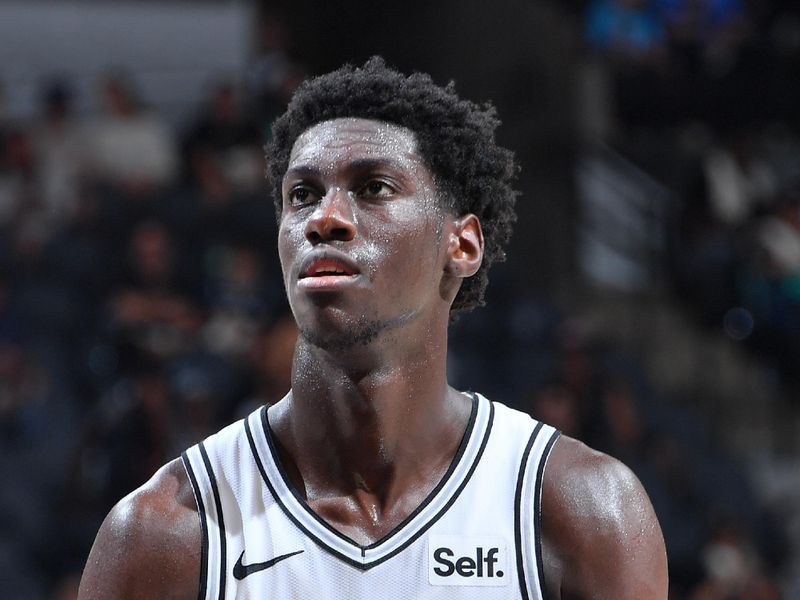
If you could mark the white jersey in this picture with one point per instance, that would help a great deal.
(476, 535)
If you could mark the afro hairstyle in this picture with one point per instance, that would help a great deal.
(455, 138)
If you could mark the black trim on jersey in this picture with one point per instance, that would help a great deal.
(523, 586)
(462, 447)
(286, 481)
(537, 511)
(274, 493)
(284, 508)
(223, 550)
(424, 527)
(201, 512)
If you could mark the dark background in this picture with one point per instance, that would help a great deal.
(650, 304)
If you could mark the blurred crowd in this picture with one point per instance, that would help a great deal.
(680, 60)
(142, 307)
(701, 95)
(720, 542)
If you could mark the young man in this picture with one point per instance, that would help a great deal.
(373, 478)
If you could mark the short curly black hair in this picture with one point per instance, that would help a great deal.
(455, 138)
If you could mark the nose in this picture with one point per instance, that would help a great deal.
(333, 219)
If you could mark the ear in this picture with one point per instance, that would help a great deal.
(465, 248)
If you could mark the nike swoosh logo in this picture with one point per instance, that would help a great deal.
(240, 571)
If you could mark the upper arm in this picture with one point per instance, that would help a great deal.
(600, 536)
(149, 545)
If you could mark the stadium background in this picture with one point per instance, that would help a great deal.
(650, 305)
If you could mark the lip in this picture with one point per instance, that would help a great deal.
(327, 269)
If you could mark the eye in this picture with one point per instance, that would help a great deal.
(376, 189)
(301, 195)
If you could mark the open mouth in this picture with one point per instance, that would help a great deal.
(327, 272)
(327, 268)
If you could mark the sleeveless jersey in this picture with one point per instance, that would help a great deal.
(476, 535)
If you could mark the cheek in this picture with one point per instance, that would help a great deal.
(410, 247)
(414, 219)
(287, 246)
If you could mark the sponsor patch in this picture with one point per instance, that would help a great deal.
(472, 561)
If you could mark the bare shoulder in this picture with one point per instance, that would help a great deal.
(149, 545)
(600, 536)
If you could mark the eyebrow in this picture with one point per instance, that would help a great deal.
(359, 164)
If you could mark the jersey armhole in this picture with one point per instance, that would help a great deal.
(201, 513)
(528, 511)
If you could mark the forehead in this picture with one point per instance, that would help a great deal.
(340, 140)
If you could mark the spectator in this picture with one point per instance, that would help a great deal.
(738, 178)
(239, 297)
(129, 148)
(769, 280)
(734, 184)
(272, 76)
(270, 362)
(152, 311)
(59, 151)
(226, 135)
(556, 404)
(223, 199)
(18, 199)
(732, 567)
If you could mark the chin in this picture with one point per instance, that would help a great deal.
(338, 341)
(339, 332)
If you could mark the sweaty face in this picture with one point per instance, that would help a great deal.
(360, 235)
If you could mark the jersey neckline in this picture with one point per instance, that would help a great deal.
(435, 504)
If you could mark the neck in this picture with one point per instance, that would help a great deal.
(371, 418)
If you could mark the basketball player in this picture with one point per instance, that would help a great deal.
(373, 478)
